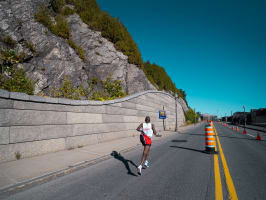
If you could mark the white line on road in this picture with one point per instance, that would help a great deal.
(251, 135)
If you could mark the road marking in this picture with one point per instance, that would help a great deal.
(218, 184)
(228, 178)
(251, 135)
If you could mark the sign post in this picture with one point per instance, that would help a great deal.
(162, 115)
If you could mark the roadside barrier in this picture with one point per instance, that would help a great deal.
(209, 139)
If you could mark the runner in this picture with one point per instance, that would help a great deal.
(147, 130)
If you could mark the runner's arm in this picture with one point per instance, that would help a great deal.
(140, 127)
(153, 129)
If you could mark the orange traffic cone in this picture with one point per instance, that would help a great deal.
(258, 136)
(232, 128)
(244, 132)
(237, 129)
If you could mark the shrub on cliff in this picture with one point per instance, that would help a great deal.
(160, 79)
(57, 5)
(17, 82)
(61, 27)
(191, 116)
(12, 78)
(67, 90)
(111, 28)
(112, 89)
(8, 40)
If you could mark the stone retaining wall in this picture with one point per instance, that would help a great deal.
(33, 125)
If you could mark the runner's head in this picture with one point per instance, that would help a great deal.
(147, 119)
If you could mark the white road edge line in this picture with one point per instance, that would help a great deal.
(251, 135)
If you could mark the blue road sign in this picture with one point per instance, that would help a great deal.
(162, 114)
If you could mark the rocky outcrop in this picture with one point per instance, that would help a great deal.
(56, 58)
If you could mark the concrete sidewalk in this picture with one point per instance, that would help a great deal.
(25, 172)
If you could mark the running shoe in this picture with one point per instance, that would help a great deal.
(139, 169)
(146, 164)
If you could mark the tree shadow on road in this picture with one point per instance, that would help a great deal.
(179, 140)
(126, 162)
(202, 135)
(200, 151)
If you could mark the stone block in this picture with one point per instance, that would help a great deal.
(95, 109)
(29, 149)
(64, 101)
(19, 96)
(51, 100)
(83, 118)
(129, 105)
(45, 132)
(104, 137)
(38, 99)
(112, 118)
(4, 135)
(78, 102)
(85, 109)
(33, 117)
(85, 129)
(132, 126)
(133, 119)
(6, 103)
(39, 106)
(120, 111)
(114, 127)
(74, 142)
(4, 93)
(4, 117)
(145, 108)
(116, 104)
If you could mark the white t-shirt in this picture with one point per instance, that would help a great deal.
(147, 129)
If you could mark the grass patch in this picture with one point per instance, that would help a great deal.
(67, 11)
(61, 28)
(17, 82)
(17, 155)
(9, 41)
(78, 49)
(31, 47)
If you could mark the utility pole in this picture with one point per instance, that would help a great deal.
(245, 119)
(194, 117)
(225, 118)
(231, 117)
(176, 125)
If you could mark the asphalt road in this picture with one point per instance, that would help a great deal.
(246, 159)
(180, 169)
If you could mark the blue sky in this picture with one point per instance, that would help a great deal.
(215, 50)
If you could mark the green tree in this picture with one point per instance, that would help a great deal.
(191, 116)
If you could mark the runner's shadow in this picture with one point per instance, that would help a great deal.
(119, 157)
(201, 151)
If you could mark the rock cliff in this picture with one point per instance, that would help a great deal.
(55, 58)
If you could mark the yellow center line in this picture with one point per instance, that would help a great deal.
(217, 176)
(218, 184)
(228, 178)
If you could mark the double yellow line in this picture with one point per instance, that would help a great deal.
(228, 178)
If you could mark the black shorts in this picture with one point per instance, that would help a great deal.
(145, 140)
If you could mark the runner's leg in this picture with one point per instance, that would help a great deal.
(145, 154)
(148, 152)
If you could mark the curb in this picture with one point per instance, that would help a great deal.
(55, 174)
